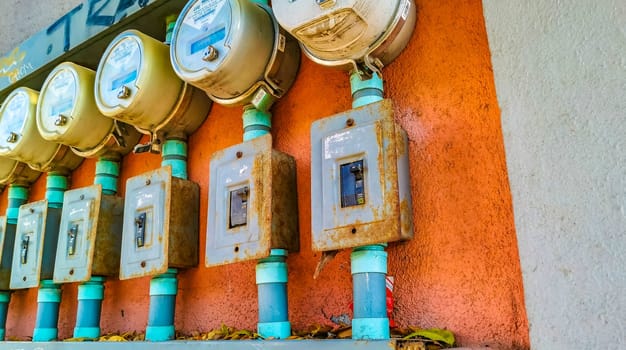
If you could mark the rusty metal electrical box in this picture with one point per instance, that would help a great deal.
(7, 239)
(90, 235)
(160, 227)
(360, 187)
(35, 246)
(253, 204)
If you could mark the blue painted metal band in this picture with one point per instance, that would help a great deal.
(18, 192)
(369, 295)
(370, 328)
(372, 84)
(107, 173)
(364, 261)
(273, 305)
(174, 153)
(86, 332)
(276, 330)
(88, 313)
(49, 293)
(271, 272)
(164, 285)
(91, 291)
(174, 147)
(47, 315)
(45, 334)
(56, 185)
(256, 123)
(164, 333)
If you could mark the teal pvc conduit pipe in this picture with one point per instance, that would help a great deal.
(91, 293)
(49, 295)
(368, 263)
(271, 272)
(17, 196)
(271, 280)
(164, 287)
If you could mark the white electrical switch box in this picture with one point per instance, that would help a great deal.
(35, 246)
(360, 187)
(90, 235)
(160, 227)
(253, 204)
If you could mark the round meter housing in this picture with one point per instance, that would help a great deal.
(20, 139)
(67, 114)
(135, 84)
(348, 33)
(234, 50)
(14, 172)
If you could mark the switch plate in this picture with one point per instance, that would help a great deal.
(170, 237)
(378, 210)
(95, 221)
(40, 226)
(269, 218)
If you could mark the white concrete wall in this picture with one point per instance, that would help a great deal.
(17, 27)
(560, 72)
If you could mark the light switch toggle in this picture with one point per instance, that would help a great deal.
(239, 207)
(71, 239)
(352, 184)
(140, 230)
(24, 250)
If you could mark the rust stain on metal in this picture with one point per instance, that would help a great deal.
(182, 221)
(108, 237)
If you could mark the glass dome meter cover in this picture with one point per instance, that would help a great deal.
(20, 139)
(135, 84)
(234, 50)
(67, 114)
(349, 33)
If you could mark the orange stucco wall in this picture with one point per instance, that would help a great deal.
(461, 271)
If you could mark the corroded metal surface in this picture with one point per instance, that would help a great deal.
(369, 134)
(90, 235)
(271, 213)
(168, 209)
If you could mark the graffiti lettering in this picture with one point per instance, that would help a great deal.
(65, 22)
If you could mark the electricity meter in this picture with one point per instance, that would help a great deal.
(20, 139)
(345, 33)
(234, 50)
(67, 114)
(14, 172)
(135, 84)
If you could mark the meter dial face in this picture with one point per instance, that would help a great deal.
(120, 71)
(13, 119)
(58, 100)
(203, 40)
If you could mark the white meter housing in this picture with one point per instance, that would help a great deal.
(67, 114)
(135, 84)
(20, 139)
(347, 33)
(234, 50)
